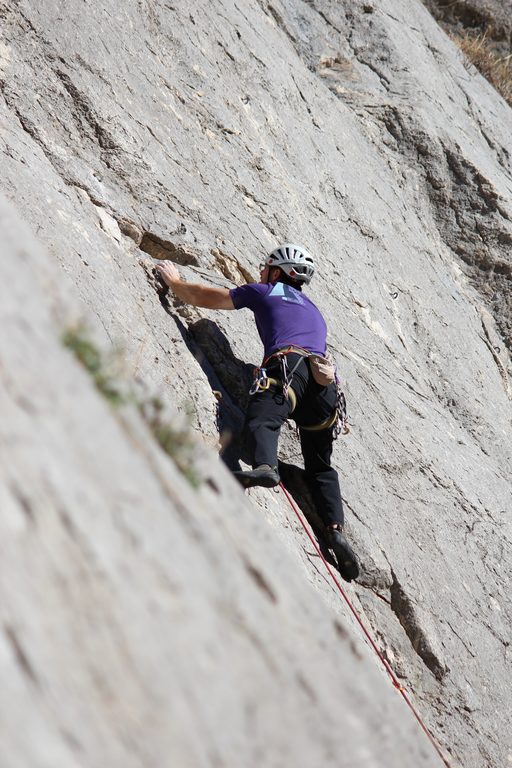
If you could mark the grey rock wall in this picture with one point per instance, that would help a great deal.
(145, 623)
(206, 133)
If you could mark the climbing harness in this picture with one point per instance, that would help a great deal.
(400, 688)
(288, 351)
(337, 420)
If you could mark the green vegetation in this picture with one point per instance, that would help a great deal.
(176, 443)
(478, 48)
(86, 352)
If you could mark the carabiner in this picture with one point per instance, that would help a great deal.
(261, 381)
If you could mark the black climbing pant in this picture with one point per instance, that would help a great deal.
(266, 414)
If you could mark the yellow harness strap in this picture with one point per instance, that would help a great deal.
(325, 424)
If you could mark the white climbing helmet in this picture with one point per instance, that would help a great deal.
(294, 260)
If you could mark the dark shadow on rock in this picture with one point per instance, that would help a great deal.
(228, 377)
(234, 375)
(231, 378)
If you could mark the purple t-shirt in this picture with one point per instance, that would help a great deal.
(284, 316)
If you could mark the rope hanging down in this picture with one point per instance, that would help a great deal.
(390, 672)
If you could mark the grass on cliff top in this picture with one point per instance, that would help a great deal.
(175, 442)
(496, 68)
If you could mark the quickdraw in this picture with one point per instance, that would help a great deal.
(268, 382)
(261, 381)
(341, 424)
(287, 375)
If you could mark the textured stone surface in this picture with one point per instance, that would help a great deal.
(205, 133)
(144, 623)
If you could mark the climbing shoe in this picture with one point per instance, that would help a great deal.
(264, 475)
(347, 560)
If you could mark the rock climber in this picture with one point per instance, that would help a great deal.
(293, 332)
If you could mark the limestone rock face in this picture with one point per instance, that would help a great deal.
(145, 622)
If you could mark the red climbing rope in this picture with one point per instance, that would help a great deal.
(390, 672)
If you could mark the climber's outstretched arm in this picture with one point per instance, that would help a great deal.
(193, 293)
